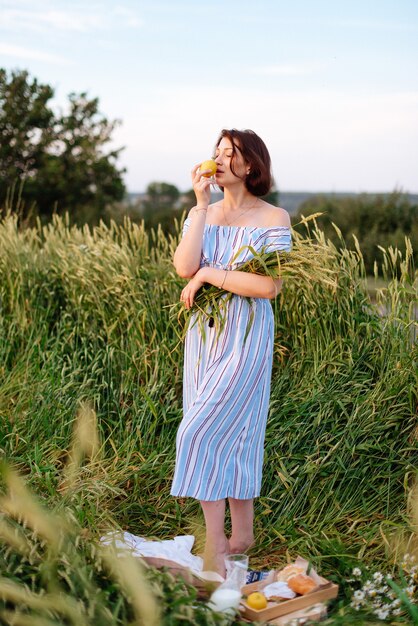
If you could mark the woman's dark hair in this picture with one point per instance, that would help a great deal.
(254, 151)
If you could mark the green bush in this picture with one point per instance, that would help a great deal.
(375, 220)
(87, 314)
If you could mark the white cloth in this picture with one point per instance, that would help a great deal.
(177, 549)
(279, 589)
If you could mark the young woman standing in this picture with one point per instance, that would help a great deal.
(227, 378)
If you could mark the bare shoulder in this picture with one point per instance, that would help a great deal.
(275, 215)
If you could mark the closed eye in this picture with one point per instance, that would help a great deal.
(229, 156)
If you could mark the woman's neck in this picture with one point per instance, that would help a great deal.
(237, 199)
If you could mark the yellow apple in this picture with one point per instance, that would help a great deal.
(208, 165)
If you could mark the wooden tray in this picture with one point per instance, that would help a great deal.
(276, 609)
(325, 590)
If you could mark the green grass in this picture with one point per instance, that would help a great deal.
(86, 316)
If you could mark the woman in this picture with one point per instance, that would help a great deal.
(227, 378)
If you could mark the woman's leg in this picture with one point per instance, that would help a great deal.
(216, 546)
(242, 519)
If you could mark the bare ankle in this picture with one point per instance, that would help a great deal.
(214, 555)
(240, 545)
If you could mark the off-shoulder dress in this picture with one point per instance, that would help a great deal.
(226, 380)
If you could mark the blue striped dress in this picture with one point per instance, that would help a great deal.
(226, 384)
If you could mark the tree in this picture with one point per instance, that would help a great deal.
(374, 219)
(59, 158)
(160, 206)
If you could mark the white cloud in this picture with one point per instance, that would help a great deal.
(129, 17)
(289, 69)
(29, 54)
(77, 19)
(373, 24)
(319, 21)
(36, 20)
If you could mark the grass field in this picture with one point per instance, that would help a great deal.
(87, 328)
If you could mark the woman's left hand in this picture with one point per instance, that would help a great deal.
(190, 290)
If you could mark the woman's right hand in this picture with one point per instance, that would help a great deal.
(201, 186)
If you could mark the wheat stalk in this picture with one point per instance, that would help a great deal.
(308, 261)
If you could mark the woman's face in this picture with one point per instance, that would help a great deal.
(223, 157)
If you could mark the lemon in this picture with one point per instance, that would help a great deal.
(208, 165)
(257, 601)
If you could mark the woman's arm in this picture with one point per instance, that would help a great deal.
(240, 283)
(187, 255)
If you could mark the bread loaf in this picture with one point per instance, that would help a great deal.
(301, 584)
(288, 571)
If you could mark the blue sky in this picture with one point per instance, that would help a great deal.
(331, 87)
